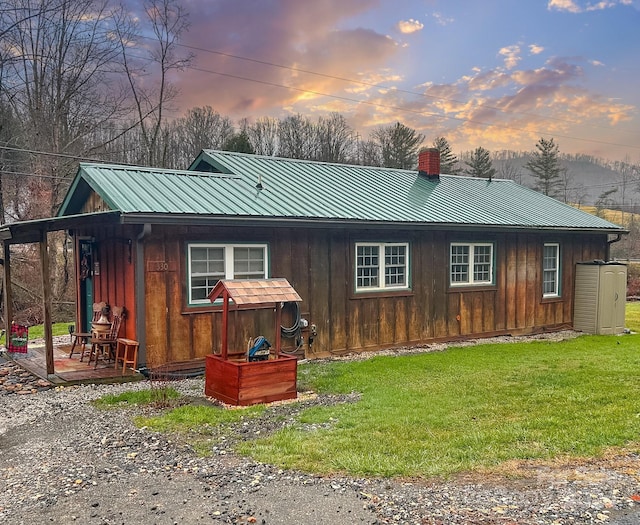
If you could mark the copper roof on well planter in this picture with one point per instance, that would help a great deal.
(247, 292)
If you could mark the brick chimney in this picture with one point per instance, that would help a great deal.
(429, 163)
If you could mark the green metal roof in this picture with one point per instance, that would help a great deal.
(315, 191)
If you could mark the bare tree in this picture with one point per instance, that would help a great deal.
(336, 138)
(297, 138)
(58, 83)
(263, 135)
(167, 20)
(627, 178)
(369, 153)
(201, 128)
(508, 170)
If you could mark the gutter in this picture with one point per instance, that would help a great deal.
(618, 238)
(246, 220)
(140, 292)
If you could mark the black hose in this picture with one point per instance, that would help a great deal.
(170, 376)
(293, 330)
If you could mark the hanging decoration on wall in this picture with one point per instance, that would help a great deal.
(85, 260)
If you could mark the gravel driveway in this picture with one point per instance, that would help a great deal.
(63, 461)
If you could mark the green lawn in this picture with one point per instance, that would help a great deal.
(466, 408)
(632, 316)
(37, 331)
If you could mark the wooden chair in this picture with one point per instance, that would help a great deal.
(81, 339)
(103, 344)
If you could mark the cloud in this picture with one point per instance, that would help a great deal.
(572, 7)
(601, 5)
(564, 5)
(409, 26)
(504, 109)
(294, 35)
(535, 49)
(442, 20)
(512, 56)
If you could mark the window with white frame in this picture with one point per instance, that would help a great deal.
(471, 264)
(382, 266)
(551, 270)
(208, 263)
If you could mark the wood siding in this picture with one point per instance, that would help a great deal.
(319, 265)
(114, 251)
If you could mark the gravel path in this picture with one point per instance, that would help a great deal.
(63, 461)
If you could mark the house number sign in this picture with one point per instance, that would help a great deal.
(161, 266)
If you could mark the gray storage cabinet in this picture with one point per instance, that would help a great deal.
(600, 297)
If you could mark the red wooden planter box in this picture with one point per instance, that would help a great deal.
(249, 383)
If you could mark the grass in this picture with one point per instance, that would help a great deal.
(138, 397)
(198, 418)
(632, 316)
(467, 408)
(201, 425)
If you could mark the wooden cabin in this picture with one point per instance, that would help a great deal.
(380, 257)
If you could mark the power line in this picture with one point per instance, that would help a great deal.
(406, 110)
(22, 173)
(382, 86)
(62, 155)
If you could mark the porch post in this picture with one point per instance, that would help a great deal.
(46, 301)
(8, 293)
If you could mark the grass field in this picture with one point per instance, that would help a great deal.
(437, 414)
(466, 408)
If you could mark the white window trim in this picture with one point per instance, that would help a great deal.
(556, 292)
(381, 267)
(228, 262)
(472, 281)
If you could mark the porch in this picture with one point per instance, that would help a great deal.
(69, 370)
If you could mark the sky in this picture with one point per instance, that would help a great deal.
(499, 74)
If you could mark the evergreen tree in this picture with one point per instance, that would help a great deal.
(239, 143)
(448, 161)
(479, 165)
(399, 145)
(544, 165)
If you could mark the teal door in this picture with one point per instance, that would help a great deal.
(86, 284)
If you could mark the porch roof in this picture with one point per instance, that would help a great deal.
(32, 231)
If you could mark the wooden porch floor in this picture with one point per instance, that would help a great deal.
(69, 371)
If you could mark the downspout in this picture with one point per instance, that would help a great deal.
(609, 243)
(140, 291)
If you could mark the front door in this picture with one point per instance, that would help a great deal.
(85, 248)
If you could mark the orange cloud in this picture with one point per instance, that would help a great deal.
(409, 26)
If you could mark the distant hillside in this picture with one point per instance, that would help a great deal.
(628, 248)
(587, 178)
(624, 219)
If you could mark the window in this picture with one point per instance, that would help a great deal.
(551, 270)
(382, 266)
(471, 264)
(208, 263)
